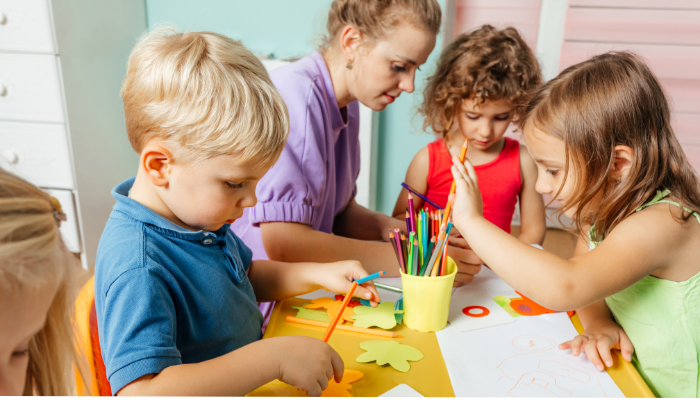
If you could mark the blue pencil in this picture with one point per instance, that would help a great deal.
(421, 196)
(370, 277)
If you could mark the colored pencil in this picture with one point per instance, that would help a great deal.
(393, 246)
(442, 250)
(334, 322)
(448, 208)
(410, 189)
(427, 255)
(342, 327)
(405, 250)
(431, 262)
(412, 213)
(419, 232)
(415, 267)
(408, 221)
(443, 263)
(370, 277)
(399, 250)
(411, 254)
(388, 287)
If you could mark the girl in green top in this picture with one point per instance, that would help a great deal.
(601, 136)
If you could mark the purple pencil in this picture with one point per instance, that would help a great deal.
(408, 222)
(410, 189)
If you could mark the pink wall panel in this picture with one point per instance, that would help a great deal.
(693, 154)
(633, 25)
(666, 4)
(684, 95)
(667, 61)
(687, 128)
(523, 15)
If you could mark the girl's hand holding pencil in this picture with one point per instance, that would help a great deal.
(337, 277)
(466, 202)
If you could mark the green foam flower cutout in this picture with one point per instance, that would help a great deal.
(316, 315)
(389, 352)
(381, 316)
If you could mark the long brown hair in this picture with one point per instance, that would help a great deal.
(486, 64)
(614, 99)
(32, 254)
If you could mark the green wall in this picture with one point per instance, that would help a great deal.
(288, 29)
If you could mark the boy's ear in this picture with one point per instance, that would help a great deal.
(157, 161)
(350, 40)
(623, 161)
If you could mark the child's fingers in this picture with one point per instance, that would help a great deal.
(368, 291)
(461, 173)
(603, 345)
(592, 353)
(338, 366)
(576, 344)
(626, 347)
(566, 345)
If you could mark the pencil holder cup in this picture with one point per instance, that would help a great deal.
(426, 300)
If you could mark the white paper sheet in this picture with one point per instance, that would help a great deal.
(471, 308)
(402, 390)
(521, 360)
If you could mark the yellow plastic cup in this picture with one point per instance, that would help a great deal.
(426, 300)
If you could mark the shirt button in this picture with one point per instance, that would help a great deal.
(207, 241)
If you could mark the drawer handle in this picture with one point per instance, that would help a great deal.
(10, 156)
(3, 18)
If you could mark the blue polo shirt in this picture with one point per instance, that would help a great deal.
(165, 295)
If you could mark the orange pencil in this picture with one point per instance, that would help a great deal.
(342, 327)
(448, 208)
(333, 323)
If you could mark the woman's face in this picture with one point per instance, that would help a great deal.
(388, 67)
(22, 315)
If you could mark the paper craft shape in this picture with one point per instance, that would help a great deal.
(504, 301)
(475, 302)
(521, 360)
(332, 308)
(525, 306)
(389, 352)
(316, 315)
(403, 390)
(382, 316)
(354, 302)
(342, 389)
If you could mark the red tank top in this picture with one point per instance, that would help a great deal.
(499, 181)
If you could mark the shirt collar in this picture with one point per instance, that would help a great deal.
(139, 212)
(337, 122)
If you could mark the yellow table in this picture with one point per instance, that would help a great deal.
(427, 376)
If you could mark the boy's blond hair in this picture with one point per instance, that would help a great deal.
(203, 95)
(32, 256)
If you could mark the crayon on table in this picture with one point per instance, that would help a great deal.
(341, 327)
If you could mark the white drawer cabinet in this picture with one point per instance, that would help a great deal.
(30, 88)
(26, 26)
(37, 152)
(61, 118)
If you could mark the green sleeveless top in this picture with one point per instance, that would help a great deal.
(662, 319)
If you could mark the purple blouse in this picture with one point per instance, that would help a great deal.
(314, 178)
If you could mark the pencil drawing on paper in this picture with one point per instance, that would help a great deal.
(539, 374)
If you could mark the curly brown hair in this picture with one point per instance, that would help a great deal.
(485, 64)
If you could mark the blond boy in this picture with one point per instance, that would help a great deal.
(175, 289)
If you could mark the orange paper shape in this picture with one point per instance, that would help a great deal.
(342, 389)
(351, 304)
(528, 307)
(332, 308)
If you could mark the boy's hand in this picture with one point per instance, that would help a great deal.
(338, 277)
(597, 341)
(466, 202)
(306, 363)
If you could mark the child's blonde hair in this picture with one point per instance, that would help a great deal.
(32, 255)
(485, 64)
(203, 95)
(613, 99)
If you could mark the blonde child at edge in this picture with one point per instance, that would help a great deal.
(476, 92)
(36, 294)
(601, 136)
(175, 290)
